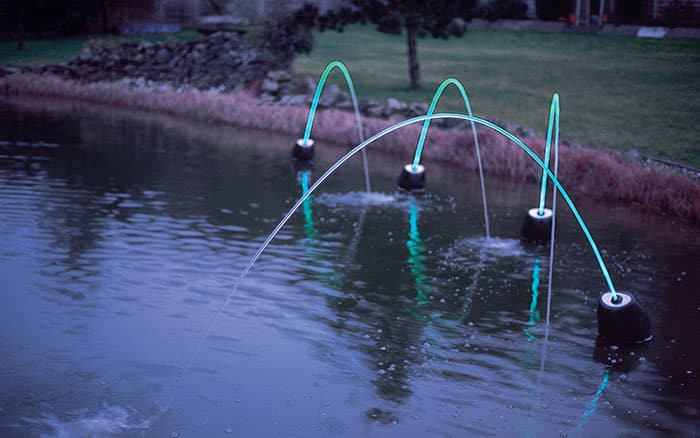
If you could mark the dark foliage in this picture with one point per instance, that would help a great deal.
(552, 9)
(286, 35)
(628, 10)
(679, 13)
(428, 17)
(503, 9)
(53, 17)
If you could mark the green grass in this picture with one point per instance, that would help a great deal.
(51, 51)
(616, 92)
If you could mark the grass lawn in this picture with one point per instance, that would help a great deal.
(50, 51)
(616, 92)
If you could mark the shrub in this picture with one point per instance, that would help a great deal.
(552, 9)
(390, 23)
(503, 9)
(679, 13)
(286, 35)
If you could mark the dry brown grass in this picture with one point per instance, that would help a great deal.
(591, 172)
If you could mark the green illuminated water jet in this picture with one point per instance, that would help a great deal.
(361, 147)
(553, 125)
(375, 137)
(424, 133)
(314, 105)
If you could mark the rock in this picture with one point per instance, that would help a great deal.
(223, 58)
(7, 70)
(310, 84)
(376, 111)
(394, 105)
(162, 56)
(214, 24)
(279, 76)
(330, 96)
(267, 97)
(417, 109)
(456, 27)
(345, 105)
(295, 99)
(269, 86)
(146, 28)
(365, 104)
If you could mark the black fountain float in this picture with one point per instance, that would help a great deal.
(622, 319)
(537, 227)
(303, 150)
(412, 180)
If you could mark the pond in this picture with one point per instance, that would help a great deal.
(382, 314)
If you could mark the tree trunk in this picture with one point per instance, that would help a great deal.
(106, 25)
(20, 41)
(413, 68)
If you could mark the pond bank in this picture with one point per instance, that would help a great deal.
(618, 178)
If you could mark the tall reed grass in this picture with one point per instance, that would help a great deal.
(590, 172)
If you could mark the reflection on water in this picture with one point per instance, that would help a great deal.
(416, 257)
(534, 313)
(371, 314)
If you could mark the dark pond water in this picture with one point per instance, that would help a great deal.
(369, 315)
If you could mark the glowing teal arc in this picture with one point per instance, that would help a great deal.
(433, 104)
(314, 105)
(552, 125)
(399, 125)
(317, 95)
(424, 133)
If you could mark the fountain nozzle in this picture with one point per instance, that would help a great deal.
(622, 319)
(538, 227)
(303, 150)
(412, 179)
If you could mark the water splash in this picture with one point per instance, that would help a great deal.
(314, 105)
(424, 133)
(399, 125)
(357, 199)
(352, 153)
(110, 420)
(493, 248)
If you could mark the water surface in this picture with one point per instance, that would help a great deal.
(380, 314)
